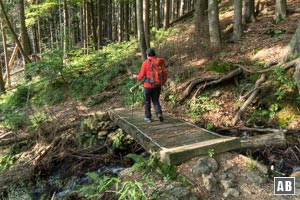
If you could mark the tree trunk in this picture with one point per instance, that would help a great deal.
(140, 28)
(280, 10)
(2, 88)
(157, 14)
(293, 47)
(127, 21)
(15, 37)
(167, 14)
(66, 29)
(146, 20)
(8, 81)
(100, 23)
(248, 11)
(24, 32)
(214, 25)
(237, 24)
(201, 18)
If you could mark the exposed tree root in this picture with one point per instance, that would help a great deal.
(250, 99)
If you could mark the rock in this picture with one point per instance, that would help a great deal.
(205, 165)
(226, 184)
(175, 191)
(102, 134)
(102, 116)
(231, 192)
(210, 182)
(255, 178)
(126, 173)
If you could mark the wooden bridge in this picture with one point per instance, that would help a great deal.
(174, 139)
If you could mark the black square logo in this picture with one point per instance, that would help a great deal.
(284, 185)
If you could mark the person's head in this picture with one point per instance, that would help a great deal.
(150, 52)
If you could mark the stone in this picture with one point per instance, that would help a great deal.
(231, 192)
(175, 191)
(102, 134)
(226, 184)
(205, 165)
(255, 178)
(210, 182)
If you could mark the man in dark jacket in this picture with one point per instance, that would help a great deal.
(151, 92)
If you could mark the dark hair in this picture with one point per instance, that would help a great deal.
(150, 52)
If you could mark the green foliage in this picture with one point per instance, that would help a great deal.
(132, 190)
(252, 164)
(210, 153)
(131, 99)
(209, 126)
(171, 98)
(13, 105)
(139, 161)
(200, 105)
(283, 81)
(99, 184)
(220, 67)
(6, 160)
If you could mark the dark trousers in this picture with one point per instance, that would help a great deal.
(152, 95)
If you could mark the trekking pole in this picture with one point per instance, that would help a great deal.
(132, 91)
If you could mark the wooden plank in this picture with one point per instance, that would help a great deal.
(182, 140)
(177, 155)
(139, 137)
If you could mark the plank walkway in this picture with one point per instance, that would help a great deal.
(175, 140)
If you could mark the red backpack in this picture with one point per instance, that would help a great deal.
(159, 72)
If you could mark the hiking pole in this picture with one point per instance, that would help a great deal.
(132, 91)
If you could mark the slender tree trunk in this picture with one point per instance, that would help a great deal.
(15, 37)
(182, 6)
(66, 28)
(140, 28)
(146, 14)
(5, 53)
(94, 24)
(100, 23)
(214, 25)
(248, 11)
(167, 14)
(201, 18)
(24, 32)
(237, 24)
(280, 10)
(2, 88)
(157, 13)
(126, 22)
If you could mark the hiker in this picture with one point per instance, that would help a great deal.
(152, 84)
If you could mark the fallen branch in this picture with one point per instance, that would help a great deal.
(250, 99)
(15, 139)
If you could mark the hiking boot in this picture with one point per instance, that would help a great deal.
(148, 120)
(160, 117)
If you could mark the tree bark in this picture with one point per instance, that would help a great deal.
(201, 18)
(237, 24)
(146, 19)
(5, 54)
(15, 37)
(100, 23)
(140, 28)
(167, 15)
(280, 10)
(248, 11)
(24, 32)
(214, 25)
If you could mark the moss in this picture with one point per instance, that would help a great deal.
(285, 116)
